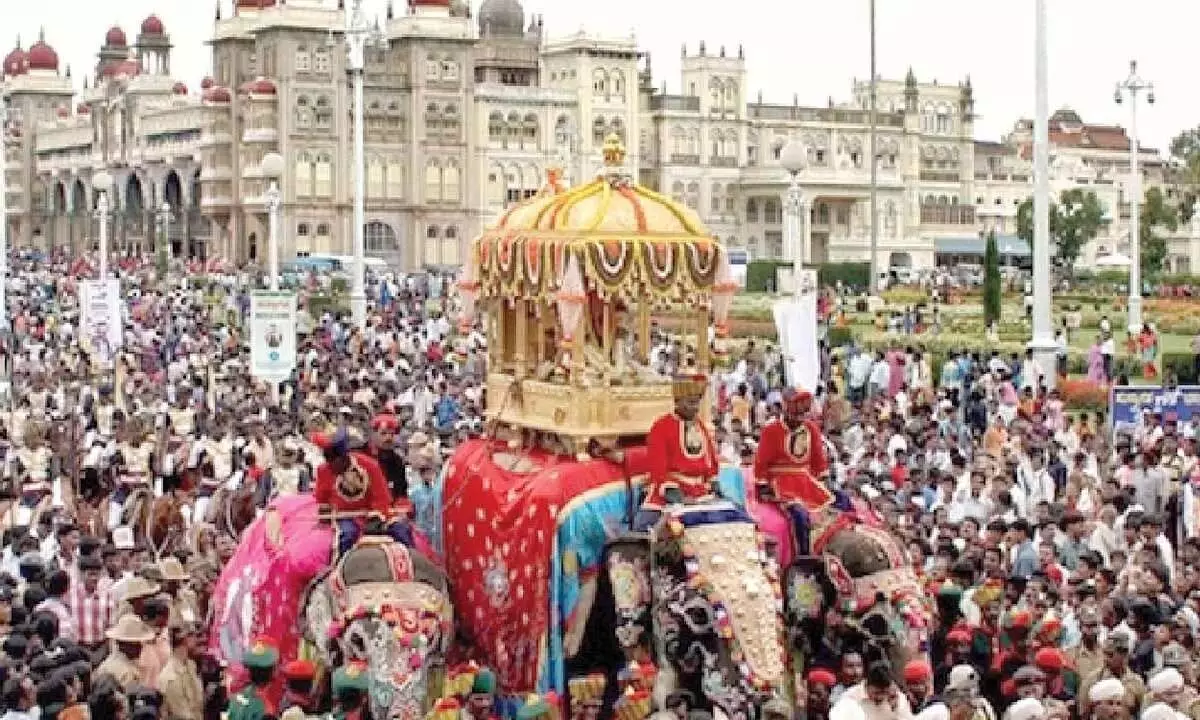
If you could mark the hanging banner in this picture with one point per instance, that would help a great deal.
(1127, 403)
(101, 324)
(796, 322)
(272, 335)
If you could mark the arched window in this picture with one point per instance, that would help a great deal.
(599, 82)
(323, 230)
(716, 93)
(433, 68)
(599, 130)
(771, 212)
(617, 127)
(450, 121)
(395, 177)
(449, 69)
(529, 131)
(379, 237)
(451, 182)
(678, 141)
(304, 175)
(717, 199)
(324, 176)
(496, 128)
(304, 113)
(450, 245)
(433, 117)
(693, 195)
(495, 185)
(303, 230)
(303, 60)
(718, 143)
(616, 82)
(751, 211)
(433, 181)
(321, 60)
(512, 130)
(375, 177)
(323, 114)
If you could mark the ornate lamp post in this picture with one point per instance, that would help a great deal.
(272, 168)
(794, 158)
(359, 35)
(1134, 85)
(102, 183)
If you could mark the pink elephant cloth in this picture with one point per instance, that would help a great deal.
(772, 521)
(262, 586)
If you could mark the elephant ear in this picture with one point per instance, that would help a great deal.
(843, 584)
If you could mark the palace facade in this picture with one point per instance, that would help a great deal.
(465, 110)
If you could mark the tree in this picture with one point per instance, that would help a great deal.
(1156, 213)
(991, 281)
(1185, 150)
(1075, 220)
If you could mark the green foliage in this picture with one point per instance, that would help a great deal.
(1181, 366)
(992, 293)
(339, 285)
(1075, 220)
(1156, 213)
(838, 336)
(1185, 149)
(852, 274)
(760, 275)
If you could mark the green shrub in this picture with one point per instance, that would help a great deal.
(339, 285)
(851, 274)
(1182, 366)
(839, 336)
(760, 275)
(992, 292)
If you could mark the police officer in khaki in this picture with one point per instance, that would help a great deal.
(184, 605)
(179, 682)
(129, 636)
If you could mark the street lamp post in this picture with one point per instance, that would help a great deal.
(1042, 343)
(794, 158)
(4, 211)
(272, 167)
(162, 257)
(102, 183)
(359, 34)
(1134, 85)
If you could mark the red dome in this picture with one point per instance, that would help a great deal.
(42, 57)
(180, 88)
(217, 95)
(115, 37)
(207, 83)
(16, 62)
(261, 86)
(153, 26)
(253, 4)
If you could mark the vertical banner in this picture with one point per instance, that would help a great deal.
(101, 322)
(796, 322)
(272, 335)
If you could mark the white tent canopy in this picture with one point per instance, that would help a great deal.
(1116, 260)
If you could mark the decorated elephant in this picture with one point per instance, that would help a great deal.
(388, 607)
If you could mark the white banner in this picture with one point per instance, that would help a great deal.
(272, 335)
(796, 322)
(101, 324)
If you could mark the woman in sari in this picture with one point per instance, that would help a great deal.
(1096, 363)
(1148, 347)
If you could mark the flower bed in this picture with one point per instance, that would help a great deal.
(1083, 394)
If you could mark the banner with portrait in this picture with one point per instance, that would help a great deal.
(272, 335)
(1127, 404)
(101, 324)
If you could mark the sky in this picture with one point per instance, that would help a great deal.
(813, 48)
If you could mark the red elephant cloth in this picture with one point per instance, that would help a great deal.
(792, 461)
(362, 488)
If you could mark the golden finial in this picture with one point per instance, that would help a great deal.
(614, 151)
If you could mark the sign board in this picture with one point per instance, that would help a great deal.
(1126, 404)
(101, 324)
(272, 335)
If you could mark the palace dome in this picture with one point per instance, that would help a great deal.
(207, 83)
(502, 17)
(153, 26)
(42, 57)
(127, 68)
(180, 88)
(16, 62)
(63, 111)
(115, 37)
(217, 94)
(262, 86)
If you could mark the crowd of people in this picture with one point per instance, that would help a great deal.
(1063, 560)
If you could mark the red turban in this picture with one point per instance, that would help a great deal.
(821, 676)
(958, 636)
(917, 671)
(1050, 659)
(385, 422)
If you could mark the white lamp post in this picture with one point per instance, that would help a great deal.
(272, 168)
(359, 34)
(1042, 344)
(4, 212)
(102, 183)
(1134, 85)
(794, 158)
(162, 252)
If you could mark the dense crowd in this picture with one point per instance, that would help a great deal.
(1064, 559)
